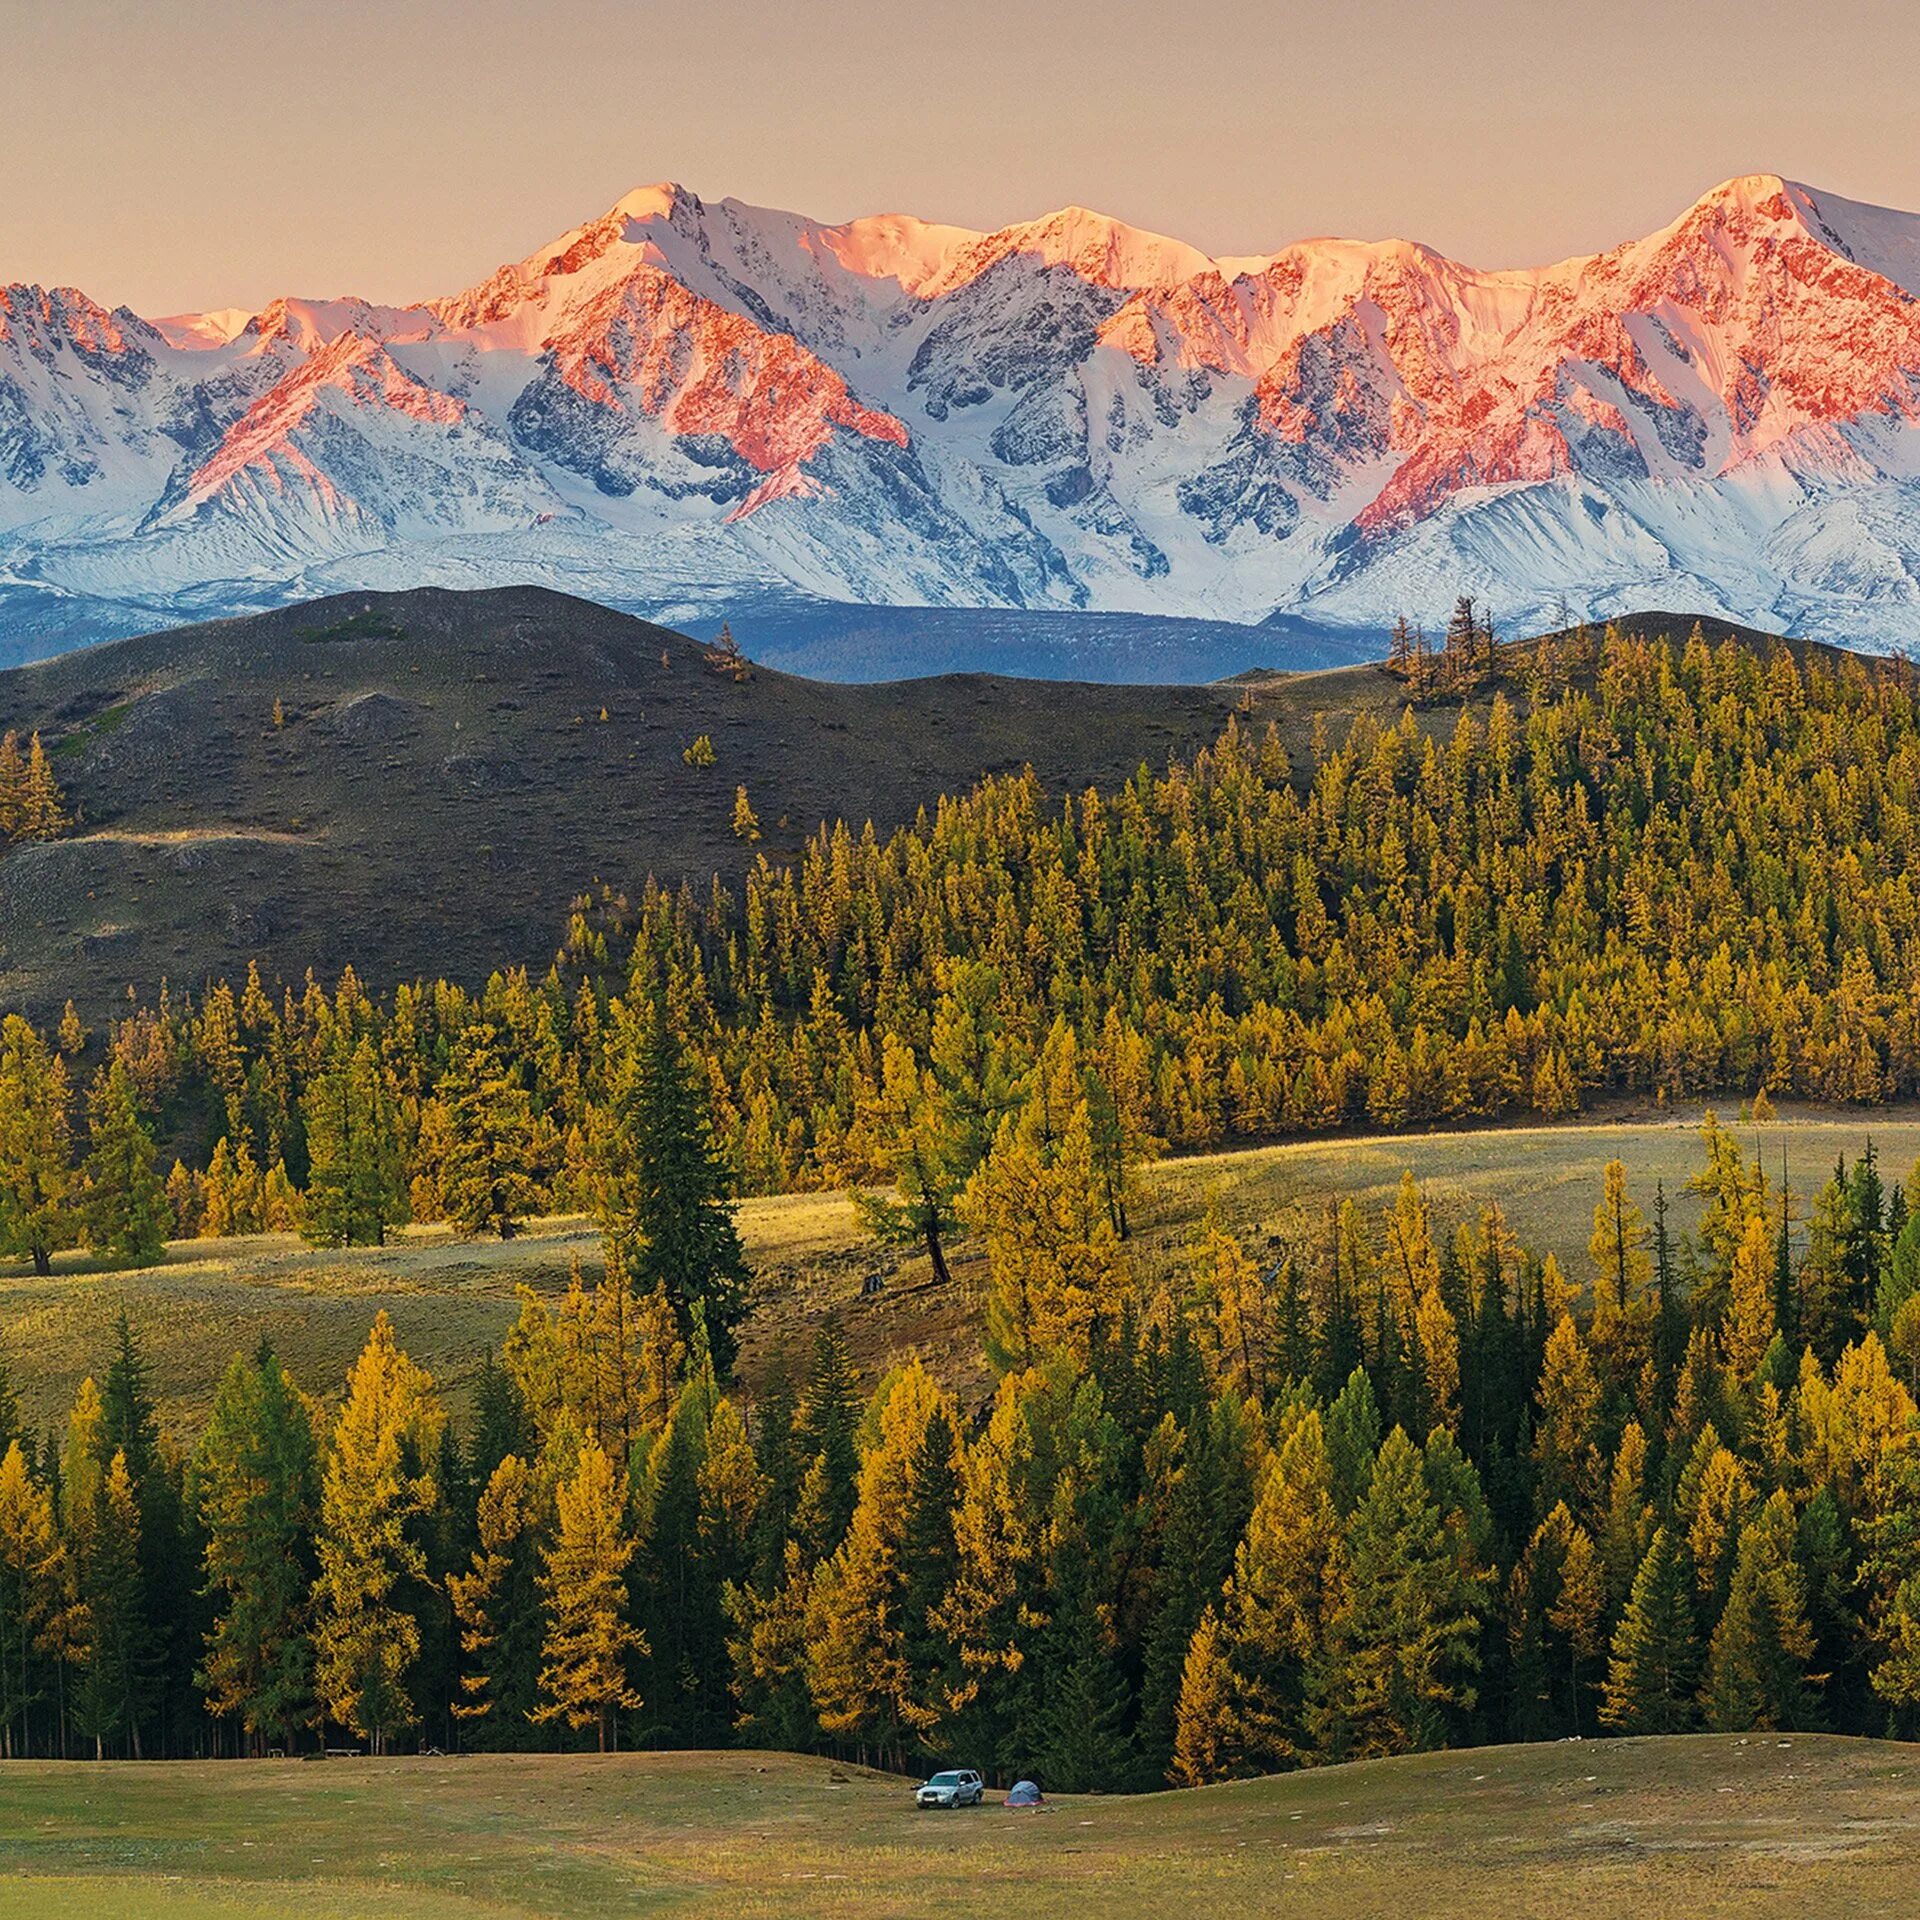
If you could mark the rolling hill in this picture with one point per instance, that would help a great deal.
(449, 771)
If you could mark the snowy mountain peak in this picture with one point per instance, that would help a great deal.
(680, 402)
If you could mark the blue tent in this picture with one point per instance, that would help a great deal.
(1023, 1793)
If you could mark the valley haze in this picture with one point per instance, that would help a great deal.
(696, 411)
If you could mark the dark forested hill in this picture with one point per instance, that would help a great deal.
(419, 784)
(447, 770)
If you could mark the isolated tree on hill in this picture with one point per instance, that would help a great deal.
(13, 787)
(379, 1478)
(35, 1146)
(73, 1034)
(126, 1200)
(45, 814)
(667, 1205)
(928, 1154)
(1400, 648)
(584, 1675)
(255, 1489)
(355, 1177)
(488, 1179)
(746, 823)
(31, 804)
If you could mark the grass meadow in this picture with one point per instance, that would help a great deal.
(1738, 1828)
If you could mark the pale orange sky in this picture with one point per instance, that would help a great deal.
(176, 154)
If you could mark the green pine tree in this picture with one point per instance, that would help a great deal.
(255, 1489)
(1655, 1656)
(1400, 1647)
(109, 1704)
(666, 1195)
(126, 1205)
(1083, 1745)
(353, 1151)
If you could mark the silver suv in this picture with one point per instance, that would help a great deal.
(960, 1788)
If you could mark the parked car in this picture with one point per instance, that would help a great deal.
(961, 1787)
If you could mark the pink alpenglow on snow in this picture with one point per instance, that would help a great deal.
(708, 398)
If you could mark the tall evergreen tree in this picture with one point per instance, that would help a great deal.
(498, 1605)
(254, 1485)
(488, 1180)
(109, 1702)
(1655, 1657)
(126, 1204)
(829, 1420)
(666, 1195)
(925, 1149)
(378, 1480)
(1400, 1652)
(354, 1185)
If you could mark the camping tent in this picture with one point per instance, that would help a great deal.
(1023, 1793)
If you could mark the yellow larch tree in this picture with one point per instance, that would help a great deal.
(1286, 1581)
(378, 1480)
(1231, 1286)
(1058, 1272)
(1748, 1329)
(857, 1663)
(481, 1597)
(1564, 1450)
(583, 1677)
(1202, 1740)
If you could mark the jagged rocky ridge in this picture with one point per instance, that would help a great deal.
(682, 406)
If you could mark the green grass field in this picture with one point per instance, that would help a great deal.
(1709, 1825)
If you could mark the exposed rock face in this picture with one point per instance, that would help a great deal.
(681, 403)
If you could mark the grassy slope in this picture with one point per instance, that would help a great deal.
(1652, 1829)
(451, 1300)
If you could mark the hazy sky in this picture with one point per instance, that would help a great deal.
(180, 154)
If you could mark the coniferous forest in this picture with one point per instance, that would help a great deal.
(1391, 1485)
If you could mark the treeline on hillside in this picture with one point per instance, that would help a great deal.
(1665, 872)
(1389, 1493)
(32, 807)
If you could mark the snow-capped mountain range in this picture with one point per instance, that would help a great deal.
(681, 406)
